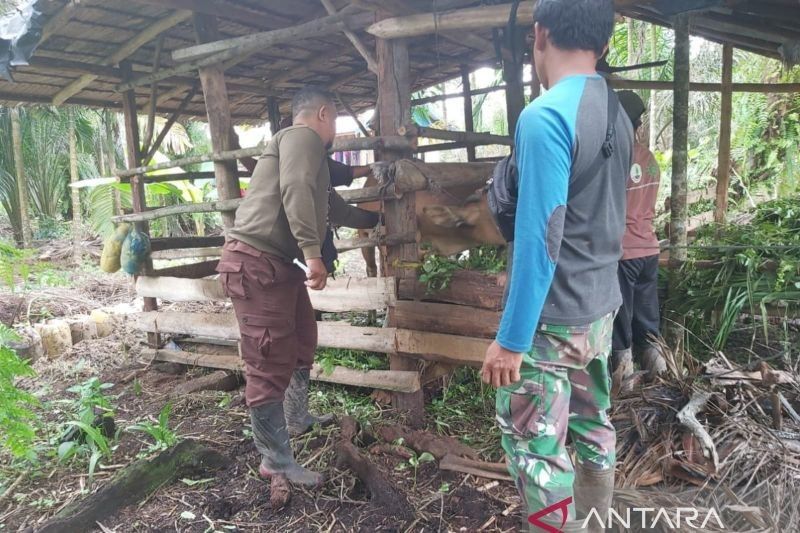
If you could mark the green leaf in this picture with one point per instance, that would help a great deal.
(426, 457)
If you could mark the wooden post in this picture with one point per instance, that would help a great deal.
(724, 164)
(679, 209)
(219, 116)
(73, 178)
(515, 95)
(134, 159)
(110, 119)
(274, 114)
(22, 182)
(394, 112)
(469, 123)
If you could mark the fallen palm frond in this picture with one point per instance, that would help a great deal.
(719, 437)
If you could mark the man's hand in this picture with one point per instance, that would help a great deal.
(317, 274)
(501, 366)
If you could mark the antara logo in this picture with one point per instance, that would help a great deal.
(563, 506)
(648, 518)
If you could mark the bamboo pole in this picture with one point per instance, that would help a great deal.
(679, 210)
(477, 18)
(724, 161)
(75, 192)
(22, 181)
(339, 145)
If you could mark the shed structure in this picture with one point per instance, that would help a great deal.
(232, 61)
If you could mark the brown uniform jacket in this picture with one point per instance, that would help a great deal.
(290, 202)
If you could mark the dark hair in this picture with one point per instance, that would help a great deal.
(309, 97)
(577, 24)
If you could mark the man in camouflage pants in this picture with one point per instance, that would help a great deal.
(550, 358)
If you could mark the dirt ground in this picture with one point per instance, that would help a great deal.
(235, 498)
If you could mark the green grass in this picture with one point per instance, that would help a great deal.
(355, 359)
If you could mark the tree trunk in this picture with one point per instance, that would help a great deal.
(678, 208)
(22, 182)
(111, 151)
(73, 179)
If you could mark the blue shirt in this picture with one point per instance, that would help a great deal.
(576, 242)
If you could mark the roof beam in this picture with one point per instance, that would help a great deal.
(372, 65)
(226, 10)
(145, 36)
(60, 18)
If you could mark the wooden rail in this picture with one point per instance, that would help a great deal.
(391, 380)
(343, 294)
(419, 344)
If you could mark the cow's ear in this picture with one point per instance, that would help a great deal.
(443, 216)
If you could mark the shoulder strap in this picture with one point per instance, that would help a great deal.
(606, 151)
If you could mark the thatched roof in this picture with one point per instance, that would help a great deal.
(90, 36)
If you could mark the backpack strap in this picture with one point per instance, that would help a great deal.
(607, 150)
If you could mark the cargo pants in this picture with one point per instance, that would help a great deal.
(565, 389)
(276, 320)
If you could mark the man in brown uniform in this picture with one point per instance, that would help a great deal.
(283, 217)
(637, 322)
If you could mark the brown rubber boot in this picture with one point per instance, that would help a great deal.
(295, 405)
(272, 440)
(653, 362)
(593, 489)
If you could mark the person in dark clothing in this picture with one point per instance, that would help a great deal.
(637, 323)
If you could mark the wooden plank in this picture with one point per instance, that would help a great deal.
(468, 288)
(190, 271)
(224, 326)
(724, 156)
(186, 253)
(172, 243)
(460, 19)
(390, 380)
(145, 36)
(339, 295)
(446, 318)
(442, 347)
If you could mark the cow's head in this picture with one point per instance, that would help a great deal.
(451, 229)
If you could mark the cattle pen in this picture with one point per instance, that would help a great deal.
(233, 61)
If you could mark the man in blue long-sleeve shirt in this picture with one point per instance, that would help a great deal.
(550, 357)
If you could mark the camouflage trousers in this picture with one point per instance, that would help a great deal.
(565, 390)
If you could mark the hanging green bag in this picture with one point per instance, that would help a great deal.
(109, 259)
(135, 251)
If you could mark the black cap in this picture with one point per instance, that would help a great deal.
(632, 104)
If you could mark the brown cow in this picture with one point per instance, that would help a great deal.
(451, 221)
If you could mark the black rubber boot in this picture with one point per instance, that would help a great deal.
(272, 441)
(652, 361)
(295, 405)
(593, 489)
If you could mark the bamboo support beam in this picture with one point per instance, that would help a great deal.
(21, 178)
(176, 176)
(724, 156)
(339, 145)
(476, 18)
(144, 37)
(469, 119)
